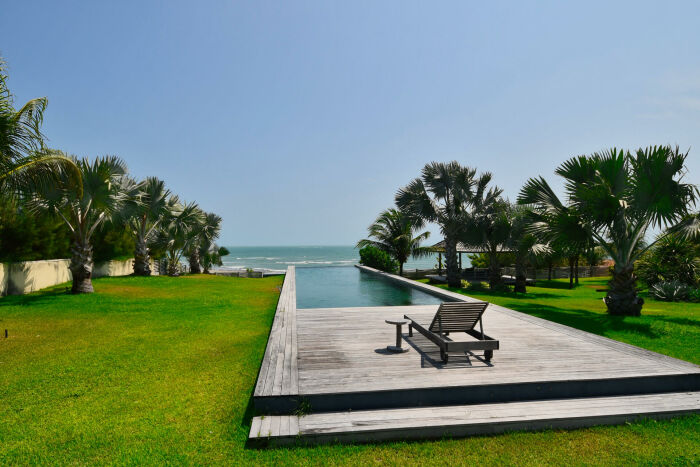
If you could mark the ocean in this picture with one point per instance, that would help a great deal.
(279, 257)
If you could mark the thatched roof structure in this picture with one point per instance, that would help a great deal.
(439, 247)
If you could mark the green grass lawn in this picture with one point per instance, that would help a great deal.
(160, 370)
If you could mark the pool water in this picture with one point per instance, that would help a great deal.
(337, 287)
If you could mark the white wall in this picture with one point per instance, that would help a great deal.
(29, 276)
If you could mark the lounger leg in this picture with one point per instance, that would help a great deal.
(410, 331)
(488, 355)
(444, 356)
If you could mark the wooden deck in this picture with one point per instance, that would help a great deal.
(335, 359)
(467, 420)
(278, 373)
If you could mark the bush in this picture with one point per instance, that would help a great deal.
(694, 295)
(377, 259)
(27, 236)
(670, 291)
(672, 259)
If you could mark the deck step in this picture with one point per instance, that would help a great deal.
(468, 420)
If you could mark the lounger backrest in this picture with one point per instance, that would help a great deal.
(457, 316)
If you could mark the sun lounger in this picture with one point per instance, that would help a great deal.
(456, 317)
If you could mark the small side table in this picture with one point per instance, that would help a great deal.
(397, 348)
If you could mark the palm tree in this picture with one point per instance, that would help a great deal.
(559, 226)
(594, 255)
(619, 196)
(84, 211)
(488, 226)
(442, 195)
(25, 163)
(393, 232)
(146, 207)
(204, 236)
(524, 245)
(212, 256)
(177, 232)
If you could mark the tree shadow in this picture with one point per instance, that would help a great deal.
(547, 284)
(504, 293)
(41, 296)
(588, 321)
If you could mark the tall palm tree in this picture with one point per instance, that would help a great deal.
(442, 195)
(146, 207)
(25, 163)
(393, 232)
(177, 232)
(619, 196)
(84, 211)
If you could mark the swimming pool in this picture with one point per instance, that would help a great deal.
(348, 287)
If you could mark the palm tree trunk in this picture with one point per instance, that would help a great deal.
(494, 271)
(400, 269)
(194, 263)
(453, 279)
(142, 262)
(81, 266)
(622, 298)
(520, 275)
(172, 268)
(576, 270)
(571, 272)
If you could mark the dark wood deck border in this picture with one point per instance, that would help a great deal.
(279, 374)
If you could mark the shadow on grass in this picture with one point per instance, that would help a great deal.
(505, 293)
(41, 296)
(588, 321)
(547, 284)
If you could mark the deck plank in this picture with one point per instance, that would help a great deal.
(278, 374)
(468, 420)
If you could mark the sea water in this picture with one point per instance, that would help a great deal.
(279, 257)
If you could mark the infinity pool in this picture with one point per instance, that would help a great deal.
(337, 287)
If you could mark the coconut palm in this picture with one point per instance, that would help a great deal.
(84, 211)
(25, 163)
(442, 195)
(619, 195)
(393, 232)
(177, 232)
(146, 207)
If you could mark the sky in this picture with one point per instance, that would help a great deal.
(298, 121)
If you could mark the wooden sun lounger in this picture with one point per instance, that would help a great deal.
(457, 317)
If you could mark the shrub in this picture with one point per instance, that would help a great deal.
(375, 258)
(672, 259)
(694, 295)
(670, 291)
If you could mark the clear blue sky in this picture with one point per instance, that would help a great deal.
(297, 121)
